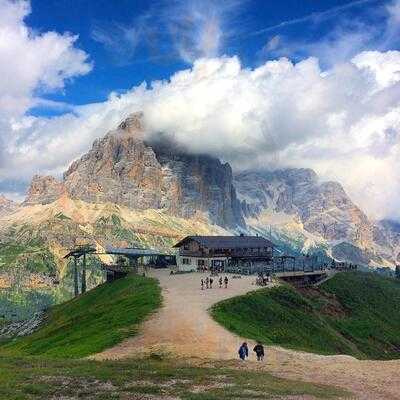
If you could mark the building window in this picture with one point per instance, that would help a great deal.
(200, 263)
(186, 261)
(218, 263)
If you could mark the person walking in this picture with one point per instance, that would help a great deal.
(220, 282)
(226, 282)
(202, 284)
(243, 351)
(207, 282)
(259, 350)
(211, 282)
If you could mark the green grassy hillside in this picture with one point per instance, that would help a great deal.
(94, 321)
(38, 379)
(352, 313)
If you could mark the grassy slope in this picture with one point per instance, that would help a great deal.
(94, 321)
(353, 313)
(37, 378)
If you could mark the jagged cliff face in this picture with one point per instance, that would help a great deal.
(125, 168)
(322, 208)
(122, 168)
(129, 190)
(44, 190)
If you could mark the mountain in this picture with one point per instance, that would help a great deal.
(6, 206)
(320, 211)
(123, 192)
(131, 190)
(123, 169)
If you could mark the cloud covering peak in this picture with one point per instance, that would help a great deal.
(343, 122)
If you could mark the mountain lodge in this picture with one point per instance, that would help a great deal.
(206, 253)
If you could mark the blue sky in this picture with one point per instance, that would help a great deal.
(259, 84)
(249, 26)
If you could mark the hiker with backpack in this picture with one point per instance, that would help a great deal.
(259, 350)
(243, 351)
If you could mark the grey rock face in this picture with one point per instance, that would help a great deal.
(122, 168)
(44, 190)
(205, 185)
(323, 208)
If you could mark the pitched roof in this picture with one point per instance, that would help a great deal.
(228, 242)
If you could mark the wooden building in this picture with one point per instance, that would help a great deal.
(222, 252)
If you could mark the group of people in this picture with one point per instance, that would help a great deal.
(208, 282)
(244, 351)
(262, 280)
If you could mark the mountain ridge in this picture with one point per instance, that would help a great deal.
(131, 190)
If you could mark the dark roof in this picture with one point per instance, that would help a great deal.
(228, 242)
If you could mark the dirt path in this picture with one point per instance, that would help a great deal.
(184, 329)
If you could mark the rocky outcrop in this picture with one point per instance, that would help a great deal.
(128, 168)
(7, 206)
(22, 328)
(323, 208)
(122, 168)
(44, 190)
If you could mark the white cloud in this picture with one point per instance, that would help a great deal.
(344, 122)
(32, 62)
(371, 28)
(384, 66)
(184, 29)
(196, 28)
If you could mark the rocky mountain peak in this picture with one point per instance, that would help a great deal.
(122, 168)
(44, 190)
(323, 208)
(133, 123)
(4, 201)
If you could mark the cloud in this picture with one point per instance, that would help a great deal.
(33, 62)
(372, 28)
(340, 117)
(315, 17)
(178, 29)
(123, 41)
(198, 28)
(343, 121)
(272, 44)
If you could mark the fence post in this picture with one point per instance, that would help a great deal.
(76, 289)
(84, 273)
